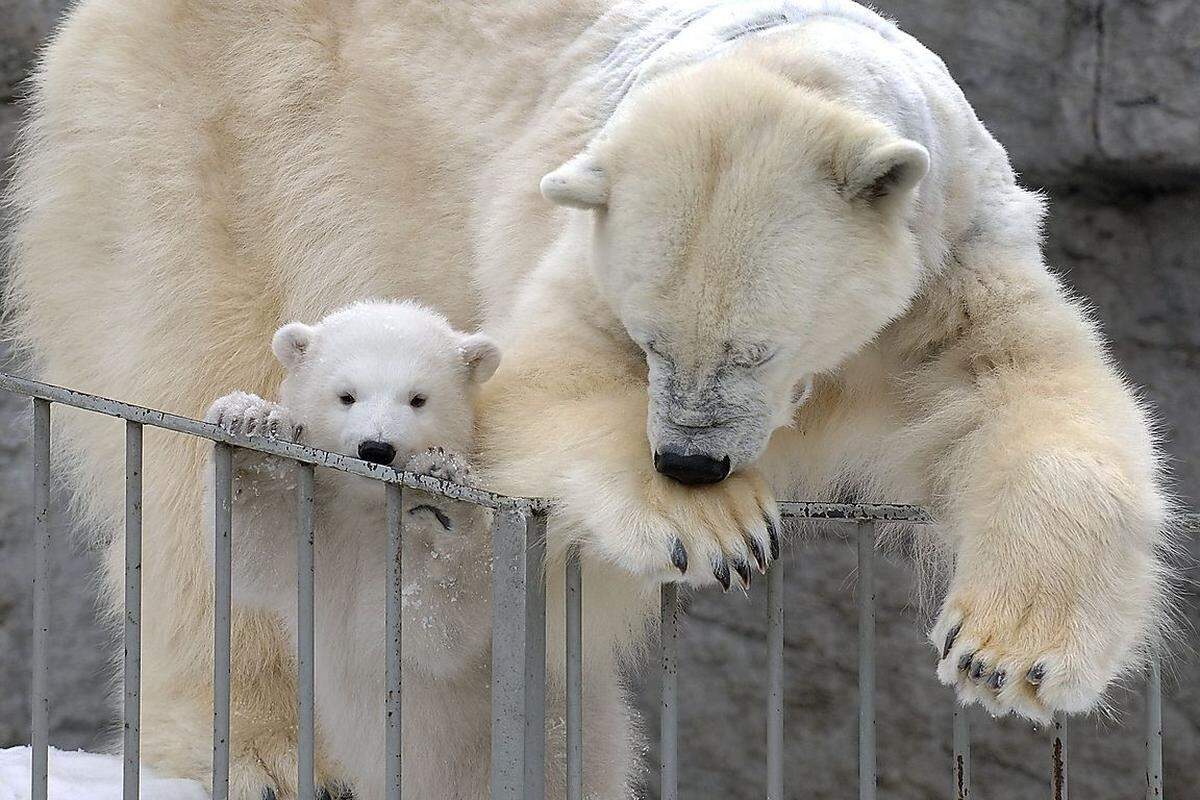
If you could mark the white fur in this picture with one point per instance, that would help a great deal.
(384, 354)
(216, 170)
(357, 375)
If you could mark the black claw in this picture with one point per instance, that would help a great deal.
(773, 535)
(757, 551)
(964, 663)
(977, 670)
(950, 637)
(679, 556)
(997, 680)
(1036, 673)
(742, 566)
(268, 794)
(721, 573)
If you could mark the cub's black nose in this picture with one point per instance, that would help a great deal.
(376, 452)
(691, 470)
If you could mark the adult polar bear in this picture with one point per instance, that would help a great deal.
(776, 195)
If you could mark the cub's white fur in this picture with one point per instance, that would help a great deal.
(763, 197)
(356, 377)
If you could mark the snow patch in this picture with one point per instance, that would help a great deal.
(86, 776)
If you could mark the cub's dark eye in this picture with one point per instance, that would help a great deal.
(347, 399)
(418, 400)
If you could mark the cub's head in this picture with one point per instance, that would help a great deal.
(382, 381)
(748, 235)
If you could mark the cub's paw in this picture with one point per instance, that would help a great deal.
(245, 414)
(438, 462)
(1031, 648)
(441, 515)
(717, 533)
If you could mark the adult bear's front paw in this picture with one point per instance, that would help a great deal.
(245, 414)
(717, 533)
(1042, 642)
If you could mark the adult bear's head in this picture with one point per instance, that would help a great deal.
(748, 234)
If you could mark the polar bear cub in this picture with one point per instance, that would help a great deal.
(391, 383)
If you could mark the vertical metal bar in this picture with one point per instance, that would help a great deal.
(866, 660)
(535, 658)
(962, 753)
(1058, 777)
(1154, 756)
(41, 599)
(131, 749)
(775, 681)
(669, 724)
(574, 586)
(508, 656)
(222, 585)
(395, 612)
(518, 657)
(305, 575)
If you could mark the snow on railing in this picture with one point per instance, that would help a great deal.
(518, 628)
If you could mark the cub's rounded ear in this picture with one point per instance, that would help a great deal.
(291, 343)
(481, 354)
(886, 171)
(579, 183)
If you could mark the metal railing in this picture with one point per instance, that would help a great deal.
(518, 632)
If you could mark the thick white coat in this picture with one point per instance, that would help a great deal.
(353, 378)
(213, 169)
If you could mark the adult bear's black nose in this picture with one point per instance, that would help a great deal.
(691, 470)
(376, 452)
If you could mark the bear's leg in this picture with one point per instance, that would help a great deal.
(577, 432)
(176, 718)
(176, 721)
(177, 635)
(1044, 475)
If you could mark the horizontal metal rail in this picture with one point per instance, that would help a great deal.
(855, 512)
(519, 647)
(833, 512)
(296, 452)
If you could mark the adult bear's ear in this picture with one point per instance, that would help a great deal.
(291, 342)
(481, 354)
(885, 172)
(579, 183)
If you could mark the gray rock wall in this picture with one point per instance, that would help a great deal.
(1097, 101)
(24, 25)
